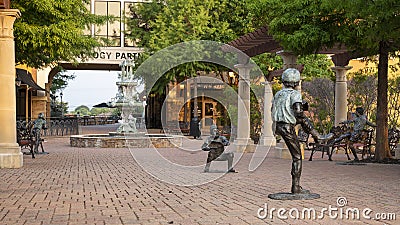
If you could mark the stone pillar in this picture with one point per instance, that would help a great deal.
(267, 138)
(39, 105)
(289, 61)
(243, 126)
(340, 93)
(48, 104)
(10, 152)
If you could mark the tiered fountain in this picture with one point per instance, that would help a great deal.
(126, 135)
(126, 100)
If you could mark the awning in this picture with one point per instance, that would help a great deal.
(26, 78)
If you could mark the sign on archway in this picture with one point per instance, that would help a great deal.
(114, 55)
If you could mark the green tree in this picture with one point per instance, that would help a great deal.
(52, 31)
(82, 110)
(362, 92)
(58, 109)
(319, 93)
(316, 66)
(394, 102)
(102, 111)
(367, 28)
(60, 81)
(160, 24)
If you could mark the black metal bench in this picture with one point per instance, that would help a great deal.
(29, 138)
(344, 144)
(303, 138)
(25, 138)
(364, 144)
(320, 147)
(367, 142)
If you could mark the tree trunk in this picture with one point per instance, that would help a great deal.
(382, 146)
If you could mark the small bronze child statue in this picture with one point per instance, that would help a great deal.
(215, 145)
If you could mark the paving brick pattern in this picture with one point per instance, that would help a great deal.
(107, 186)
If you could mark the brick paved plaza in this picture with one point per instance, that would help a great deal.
(107, 186)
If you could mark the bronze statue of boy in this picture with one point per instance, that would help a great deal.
(215, 145)
(359, 121)
(287, 112)
(38, 125)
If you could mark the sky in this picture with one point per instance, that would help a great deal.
(90, 88)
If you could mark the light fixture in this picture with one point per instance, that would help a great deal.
(181, 86)
(18, 81)
(231, 74)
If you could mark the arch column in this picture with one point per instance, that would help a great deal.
(268, 138)
(243, 126)
(340, 93)
(289, 61)
(10, 153)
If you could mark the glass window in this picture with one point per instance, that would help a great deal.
(100, 8)
(114, 9)
(109, 34)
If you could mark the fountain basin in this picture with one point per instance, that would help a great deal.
(113, 140)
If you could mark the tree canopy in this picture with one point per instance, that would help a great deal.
(52, 31)
(160, 24)
(83, 110)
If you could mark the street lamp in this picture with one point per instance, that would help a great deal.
(62, 108)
